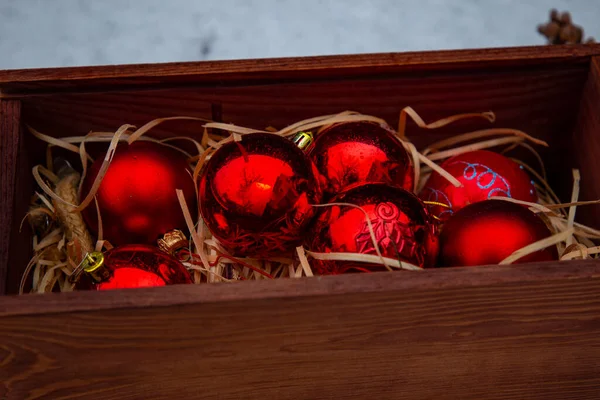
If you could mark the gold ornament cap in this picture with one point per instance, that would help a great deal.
(173, 241)
(95, 268)
(303, 139)
(93, 265)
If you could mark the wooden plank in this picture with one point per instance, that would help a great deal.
(78, 114)
(429, 279)
(586, 142)
(221, 72)
(10, 112)
(30, 153)
(515, 339)
(529, 97)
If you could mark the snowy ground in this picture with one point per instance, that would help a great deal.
(41, 33)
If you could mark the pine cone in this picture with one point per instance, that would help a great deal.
(561, 30)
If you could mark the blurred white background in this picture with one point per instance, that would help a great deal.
(49, 33)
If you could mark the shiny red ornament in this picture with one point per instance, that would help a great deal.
(256, 194)
(487, 232)
(137, 197)
(483, 175)
(401, 223)
(353, 153)
(133, 266)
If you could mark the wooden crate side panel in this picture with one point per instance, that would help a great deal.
(534, 340)
(536, 99)
(20, 250)
(181, 295)
(586, 142)
(77, 114)
(10, 111)
(18, 82)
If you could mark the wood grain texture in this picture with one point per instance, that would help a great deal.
(430, 279)
(20, 251)
(520, 96)
(10, 114)
(221, 72)
(586, 142)
(509, 340)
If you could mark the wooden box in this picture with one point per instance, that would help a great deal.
(517, 332)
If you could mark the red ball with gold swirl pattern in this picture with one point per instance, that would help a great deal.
(402, 226)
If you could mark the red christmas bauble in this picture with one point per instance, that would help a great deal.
(487, 232)
(402, 225)
(135, 266)
(353, 153)
(483, 175)
(256, 194)
(137, 197)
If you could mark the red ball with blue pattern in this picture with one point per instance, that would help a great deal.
(483, 174)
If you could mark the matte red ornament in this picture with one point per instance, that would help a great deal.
(137, 197)
(483, 175)
(487, 232)
(134, 266)
(402, 225)
(256, 194)
(353, 153)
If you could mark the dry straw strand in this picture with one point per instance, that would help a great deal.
(537, 246)
(410, 112)
(366, 258)
(573, 208)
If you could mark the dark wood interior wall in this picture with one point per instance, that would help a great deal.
(586, 142)
(528, 96)
(446, 334)
(10, 114)
(542, 100)
(20, 250)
